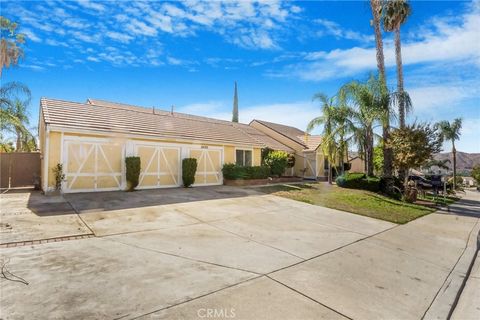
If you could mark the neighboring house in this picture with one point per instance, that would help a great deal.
(357, 163)
(309, 159)
(92, 139)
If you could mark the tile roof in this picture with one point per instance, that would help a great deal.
(257, 135)
(141, 122)
(310, 142)
(100, 115)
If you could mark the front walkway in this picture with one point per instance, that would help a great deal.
(234, 254)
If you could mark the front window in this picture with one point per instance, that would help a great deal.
(244, 157)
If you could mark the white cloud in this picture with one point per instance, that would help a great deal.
(334, 29)
(296, 114)
(121, 37)
(453, 41)
(30, 35)
(93, 59)
(93, 5)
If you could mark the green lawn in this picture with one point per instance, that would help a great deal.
(439, 200)
(360, 202)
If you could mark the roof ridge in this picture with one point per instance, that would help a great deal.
(265, 123)
(168, 113)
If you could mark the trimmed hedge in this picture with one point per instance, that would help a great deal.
(189, 168)
(133, 172)
(358, 181)
(232, 171)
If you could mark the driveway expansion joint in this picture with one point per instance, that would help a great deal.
(43, 241)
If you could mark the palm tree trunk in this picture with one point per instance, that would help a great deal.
(387, 152)
(370, 154)
(454, 152)
(330, 178)
(376, 6)
(400, 89)
(19, 141)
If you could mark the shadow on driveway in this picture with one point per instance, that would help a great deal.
(119, 200)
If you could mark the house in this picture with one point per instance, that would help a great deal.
(92, 139)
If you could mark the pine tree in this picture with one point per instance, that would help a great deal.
(235, 105)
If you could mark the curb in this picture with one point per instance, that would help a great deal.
(447, 298)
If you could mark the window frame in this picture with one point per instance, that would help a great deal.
(243, 156)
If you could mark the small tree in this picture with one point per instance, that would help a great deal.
(476, 173)
(133, 172)
(277, 161)
(413, 146)
(264, 154)
(59, 176)
(189, 168)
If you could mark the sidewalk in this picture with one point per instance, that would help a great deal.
(468, 306)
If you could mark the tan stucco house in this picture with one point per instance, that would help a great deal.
(92, 139)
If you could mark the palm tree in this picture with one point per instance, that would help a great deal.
(394, 14)
(10, 50)
(368, 113)
(327, 120)
(451, 131)
(345, 129)
(13, 111)
(376, 7)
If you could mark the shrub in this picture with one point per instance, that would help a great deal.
(277, 161)
(133, 172)
(59, 176)
(189, 168)
(358, 181)
(234, 172)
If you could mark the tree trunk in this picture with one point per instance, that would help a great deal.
(370, 153)
(454, 152)
(387, 152)
(330, 178)
(19, 141)
(376, 6)
(400, 89)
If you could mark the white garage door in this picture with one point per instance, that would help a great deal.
(92, 165)
(160, 165)
(209, 165)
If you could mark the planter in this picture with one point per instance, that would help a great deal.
(257, 182)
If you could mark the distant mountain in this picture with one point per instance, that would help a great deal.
(465, 161)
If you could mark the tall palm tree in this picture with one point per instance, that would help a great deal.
(451, 132)
(376, 7)
(394, 14)
(327, 120)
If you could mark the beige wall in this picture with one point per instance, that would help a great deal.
(357, 165)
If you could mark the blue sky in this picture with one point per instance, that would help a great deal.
(188, 54)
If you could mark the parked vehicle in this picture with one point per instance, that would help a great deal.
(421, 181)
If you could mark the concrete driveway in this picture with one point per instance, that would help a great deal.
(225, 252)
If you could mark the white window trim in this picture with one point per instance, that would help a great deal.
(244, 149)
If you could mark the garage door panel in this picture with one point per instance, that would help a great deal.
(159, 165)
(209, 166)
(81, 183)
(168, 180)
(91, 166)
(108, 181)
